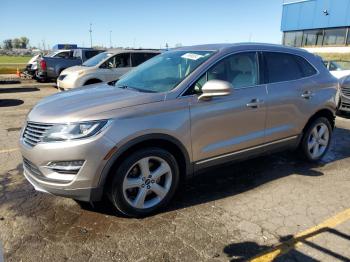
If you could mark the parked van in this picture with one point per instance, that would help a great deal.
(105, 67)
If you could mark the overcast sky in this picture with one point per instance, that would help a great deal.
(136, 23)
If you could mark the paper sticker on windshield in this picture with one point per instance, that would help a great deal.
(191, 56)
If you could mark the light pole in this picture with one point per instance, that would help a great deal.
(90, 35)
(110, 38)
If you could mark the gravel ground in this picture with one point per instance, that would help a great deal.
(232, 213)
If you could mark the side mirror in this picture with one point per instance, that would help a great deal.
(214, 88)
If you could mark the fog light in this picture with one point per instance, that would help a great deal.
(65, 167)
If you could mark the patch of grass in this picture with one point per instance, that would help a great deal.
(335, 56)
(14, 59)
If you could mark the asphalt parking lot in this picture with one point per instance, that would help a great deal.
(275, 207)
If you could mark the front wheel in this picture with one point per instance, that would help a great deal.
(316, 140)
(144, 182)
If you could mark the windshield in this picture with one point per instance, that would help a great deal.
(95, 60)
(163, 72)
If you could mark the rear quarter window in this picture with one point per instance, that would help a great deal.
(282, 67)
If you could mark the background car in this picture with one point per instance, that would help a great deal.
(107, 66)
(344, 101)
(337, 68)
(50, 67)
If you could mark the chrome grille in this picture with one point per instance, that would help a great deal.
(34, 132)
(346, 90)
(345, 106)
(31, 168)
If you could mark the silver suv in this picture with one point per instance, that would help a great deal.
(135, 139)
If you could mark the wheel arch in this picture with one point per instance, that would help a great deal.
(93, 80)
(167, 142)
(325, 112)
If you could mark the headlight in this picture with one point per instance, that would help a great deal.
(73, 131)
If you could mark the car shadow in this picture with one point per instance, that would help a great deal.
(345, 115)
(18, 90)
(10, 102)
(245, 251)
(228, 180)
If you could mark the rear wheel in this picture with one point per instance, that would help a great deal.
(144, 182)
(316, 140)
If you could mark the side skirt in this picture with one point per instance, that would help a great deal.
(248, 153)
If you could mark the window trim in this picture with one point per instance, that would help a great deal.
(288, 53)
(183, 93)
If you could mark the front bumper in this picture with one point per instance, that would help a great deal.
(344, 103)
(65, 84)
(85, 184)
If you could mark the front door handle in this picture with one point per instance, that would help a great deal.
(307, 95)
(255, 103)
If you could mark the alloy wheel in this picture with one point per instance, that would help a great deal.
(147, 182)
(318, 140)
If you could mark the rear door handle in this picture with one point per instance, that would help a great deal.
(255, 103)
(307, 95)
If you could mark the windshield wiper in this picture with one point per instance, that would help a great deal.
(128, 87)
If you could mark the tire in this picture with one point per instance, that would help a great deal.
(148, 191)
(316, 142)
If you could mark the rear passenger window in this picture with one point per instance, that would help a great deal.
(139, 58)
(306, 68)
(286, 67)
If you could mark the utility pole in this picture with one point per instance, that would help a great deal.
(110, 38)
(90, 35)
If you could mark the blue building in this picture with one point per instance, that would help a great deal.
(316, 23)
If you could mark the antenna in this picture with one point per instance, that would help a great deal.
(90, 35)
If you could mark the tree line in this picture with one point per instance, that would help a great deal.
(21, 42)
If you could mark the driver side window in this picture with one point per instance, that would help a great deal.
(118, 61)
(241, 70)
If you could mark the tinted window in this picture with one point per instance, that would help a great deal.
(89, 54)
(285, 67)
(306, 68)
(139, 58)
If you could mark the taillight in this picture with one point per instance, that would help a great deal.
(43, 65)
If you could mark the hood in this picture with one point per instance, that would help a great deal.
(81, 103)
(75, 69)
